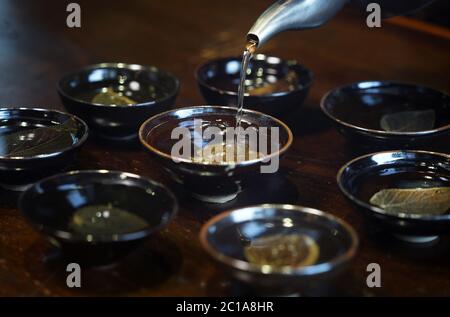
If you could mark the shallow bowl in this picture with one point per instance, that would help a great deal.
(227, 236)
(51, 206)
(215, 182)
(218, 81)
(365, 176)
(152, 90)
(388, 113)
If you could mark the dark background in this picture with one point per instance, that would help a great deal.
(438, 12)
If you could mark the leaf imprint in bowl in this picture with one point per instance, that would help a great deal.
(105, 220)
(408, 121)
(419, 201)
(110, 97)
(38, 141)
(283, 250)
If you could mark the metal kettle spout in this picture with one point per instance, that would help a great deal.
(286, 15)
(293, 15)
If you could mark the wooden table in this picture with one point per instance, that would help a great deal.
(37, 49)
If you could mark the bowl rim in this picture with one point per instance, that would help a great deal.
(75, 145)
(119, 65)
(375, 131)
(378, 210)
(69, 236)
(190, 162)
(289, 63)
(245, 266)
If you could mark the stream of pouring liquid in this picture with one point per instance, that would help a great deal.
(248, 53)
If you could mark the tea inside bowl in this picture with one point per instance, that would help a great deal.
(203, 152)
(217, 151)
(205, 148)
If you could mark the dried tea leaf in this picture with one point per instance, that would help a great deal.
(409, 121)
(283, 250)
(105, 220)
(38, 141)
(110, 97)
(419, 201)
(217, 153)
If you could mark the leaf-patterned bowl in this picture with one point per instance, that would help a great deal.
(36, 143)
(405, 192)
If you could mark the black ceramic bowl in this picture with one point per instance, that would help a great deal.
(51, 205)
(211, 182)
(365, 176)
(388, 113)
(226, 239)
(31, 149)
(218, 81)
(152, 90)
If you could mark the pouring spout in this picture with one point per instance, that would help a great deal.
(293, 15)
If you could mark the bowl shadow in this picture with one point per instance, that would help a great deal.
(147, 267)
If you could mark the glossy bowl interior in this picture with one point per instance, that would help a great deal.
(152, 91)
(155, 133)
(50, 206)
(388, 111)
(37, 142)
(281, 85)
(361, 178)
(226, 236)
